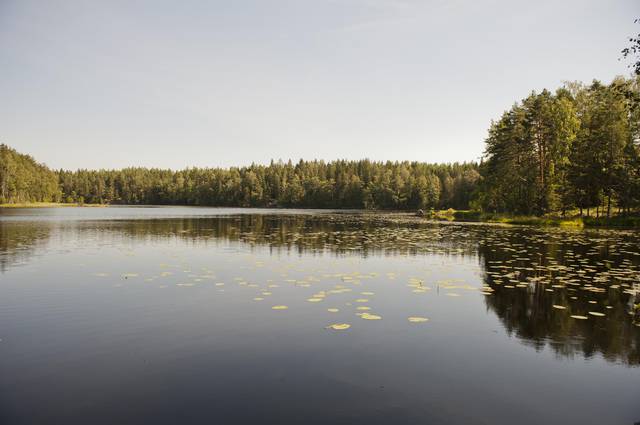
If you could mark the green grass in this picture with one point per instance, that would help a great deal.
(549, 220)
(615, 221)
(534, 220)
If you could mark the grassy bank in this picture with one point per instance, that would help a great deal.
(549, 220)
(47, 205)
(615, 221)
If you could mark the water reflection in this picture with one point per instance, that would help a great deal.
(526, 272)
(21, 241)
(330, 233)
(540, 279)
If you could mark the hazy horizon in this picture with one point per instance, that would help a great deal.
(213, 84)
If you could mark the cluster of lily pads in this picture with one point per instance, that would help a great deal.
(582, 274)
(576, 272)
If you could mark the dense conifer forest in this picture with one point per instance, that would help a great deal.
(577, 148)
(312, 184)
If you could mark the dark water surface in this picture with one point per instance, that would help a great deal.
(164, 316)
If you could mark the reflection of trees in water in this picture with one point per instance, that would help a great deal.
(304, 234)
(528, 312)
(20, 241)
(336, 234)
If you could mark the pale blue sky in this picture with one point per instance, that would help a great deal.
(108, 84)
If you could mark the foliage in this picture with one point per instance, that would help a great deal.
(308, 184)
(577, 147)
(633, 51)
(22, 179)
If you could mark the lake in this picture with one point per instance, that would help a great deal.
(177, 315)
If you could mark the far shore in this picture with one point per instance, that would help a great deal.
(49, 205)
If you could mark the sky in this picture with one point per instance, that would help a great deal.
(174, 84)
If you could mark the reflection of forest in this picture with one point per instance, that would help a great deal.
(300, 233)
(337, 234)
(331, 233)
(581, 265)
(20, 241)
(566, 271)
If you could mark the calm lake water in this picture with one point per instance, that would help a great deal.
(166, 316)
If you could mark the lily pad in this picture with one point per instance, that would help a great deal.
(339, 326)
(575, 316)
(368, 316)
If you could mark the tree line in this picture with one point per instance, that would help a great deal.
(576, 148)
(307, 184)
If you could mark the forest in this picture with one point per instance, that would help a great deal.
(573, 150)
(22, 179)
(577, 148)
(310, 184)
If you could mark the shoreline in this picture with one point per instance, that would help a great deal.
(50, 205)
(456, 216)
(575, 221)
